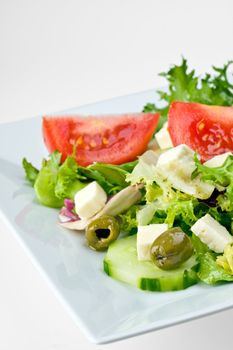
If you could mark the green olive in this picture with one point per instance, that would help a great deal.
(102, 231)
(171, 249)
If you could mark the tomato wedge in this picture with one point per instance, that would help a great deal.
(109, 139)
(206, 129)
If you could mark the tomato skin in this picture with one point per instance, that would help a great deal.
(206, 129)
(108, 139)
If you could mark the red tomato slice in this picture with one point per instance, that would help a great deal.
(206, 129)
(108, 139)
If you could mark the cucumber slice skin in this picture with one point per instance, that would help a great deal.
(145, 275)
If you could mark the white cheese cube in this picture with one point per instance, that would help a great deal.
(176, 166)
(212, 233)
(90, 200)
(217, 160)
(163, 137)
(146, 236)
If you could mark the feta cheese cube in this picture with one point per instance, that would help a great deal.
(217, 160)
(163, 137)
(212, 233)
(90, 200)
(146, 236)
(176, 166)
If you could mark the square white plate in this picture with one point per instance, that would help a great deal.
(106, 310)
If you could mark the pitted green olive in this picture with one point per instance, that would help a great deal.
(171, 249)
(102, 231)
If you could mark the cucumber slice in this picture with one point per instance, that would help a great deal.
(122, 264)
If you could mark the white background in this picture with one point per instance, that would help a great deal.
(58, 54)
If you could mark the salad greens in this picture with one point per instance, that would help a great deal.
(226, 260)
(187, 86)
(221, 176)
(68, 180)
(45, 183)
(210, 272)
(209, 269)
(30, 171)
(55, 181)
(110, 177)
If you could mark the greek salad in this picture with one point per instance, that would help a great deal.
(154, 190)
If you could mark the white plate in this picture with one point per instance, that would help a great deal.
(106, 310)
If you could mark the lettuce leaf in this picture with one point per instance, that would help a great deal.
(209, 271)
(153, 192)
(54, 182)
(68, 180)
(221, 176)
(226, 260)
(112, 173)
(199, 246)
(182, 212)
(46, 181)
(128, 220)
(112, 178)
(30, 171)
(128, 166)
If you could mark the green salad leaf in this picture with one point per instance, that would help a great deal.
(209, 271)
(181, 213)
(113, 174)
(226, 260)
(185, 85)
(111, 177)
(153, 191)
(55, 159)
(128, 220)
(30, 171)
(221, 176)
(46, 181)
(199, 246)
(54, 182)
(128, 166)
(68, 179)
